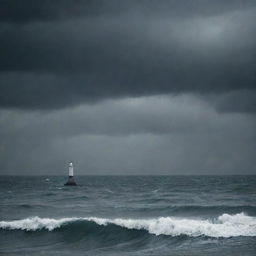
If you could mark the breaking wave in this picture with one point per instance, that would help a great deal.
(225, 225)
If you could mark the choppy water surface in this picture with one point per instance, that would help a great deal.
(128, 215)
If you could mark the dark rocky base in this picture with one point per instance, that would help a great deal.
(70, 182)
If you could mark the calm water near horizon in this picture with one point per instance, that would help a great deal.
(128, 215)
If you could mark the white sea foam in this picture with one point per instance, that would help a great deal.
(35, 223)
(224, 226)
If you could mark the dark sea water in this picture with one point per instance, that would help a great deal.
(128, 215)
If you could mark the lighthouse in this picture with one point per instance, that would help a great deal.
(71, 181)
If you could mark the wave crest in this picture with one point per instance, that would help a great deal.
(225, 225)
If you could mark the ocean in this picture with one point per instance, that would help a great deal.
(128, 215)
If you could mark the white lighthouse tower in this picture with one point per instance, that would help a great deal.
(71, 180)
(70, 170)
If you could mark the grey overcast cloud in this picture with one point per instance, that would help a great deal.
(128, 87)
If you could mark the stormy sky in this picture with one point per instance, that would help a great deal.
(128, 87)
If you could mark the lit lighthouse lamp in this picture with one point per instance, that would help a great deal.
(71, 180)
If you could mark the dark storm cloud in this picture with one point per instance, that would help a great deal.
(146, 135)
(147, 115)
(60, 53)
(48, 10)
(236, 101)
